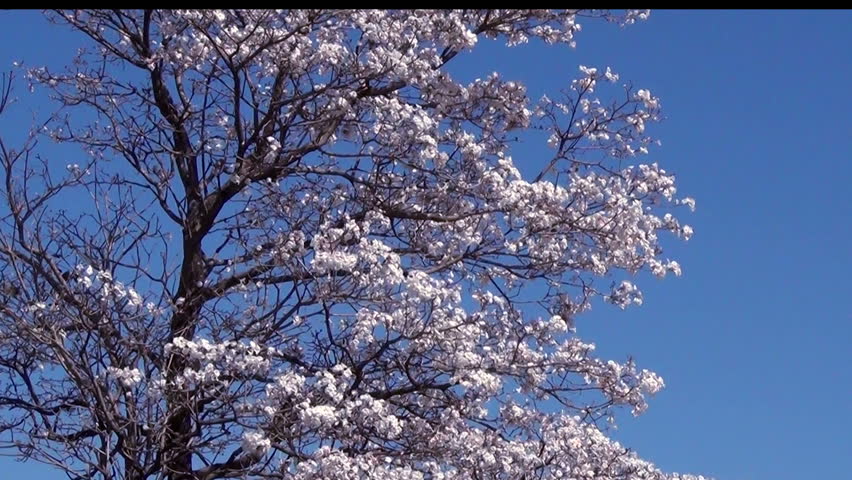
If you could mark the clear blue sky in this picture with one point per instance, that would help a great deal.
(754, 340)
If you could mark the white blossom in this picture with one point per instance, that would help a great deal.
(128, 377)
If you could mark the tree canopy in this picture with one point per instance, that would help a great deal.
(293, 246)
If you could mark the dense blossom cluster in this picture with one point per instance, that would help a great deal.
(366, 285)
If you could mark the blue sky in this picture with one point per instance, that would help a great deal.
(754, 340)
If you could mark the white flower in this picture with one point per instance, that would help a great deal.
(318, 416)
(256, 443)
(128, 377)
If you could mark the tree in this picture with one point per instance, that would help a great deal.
(295, 247)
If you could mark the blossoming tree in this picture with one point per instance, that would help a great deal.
(295, 247)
